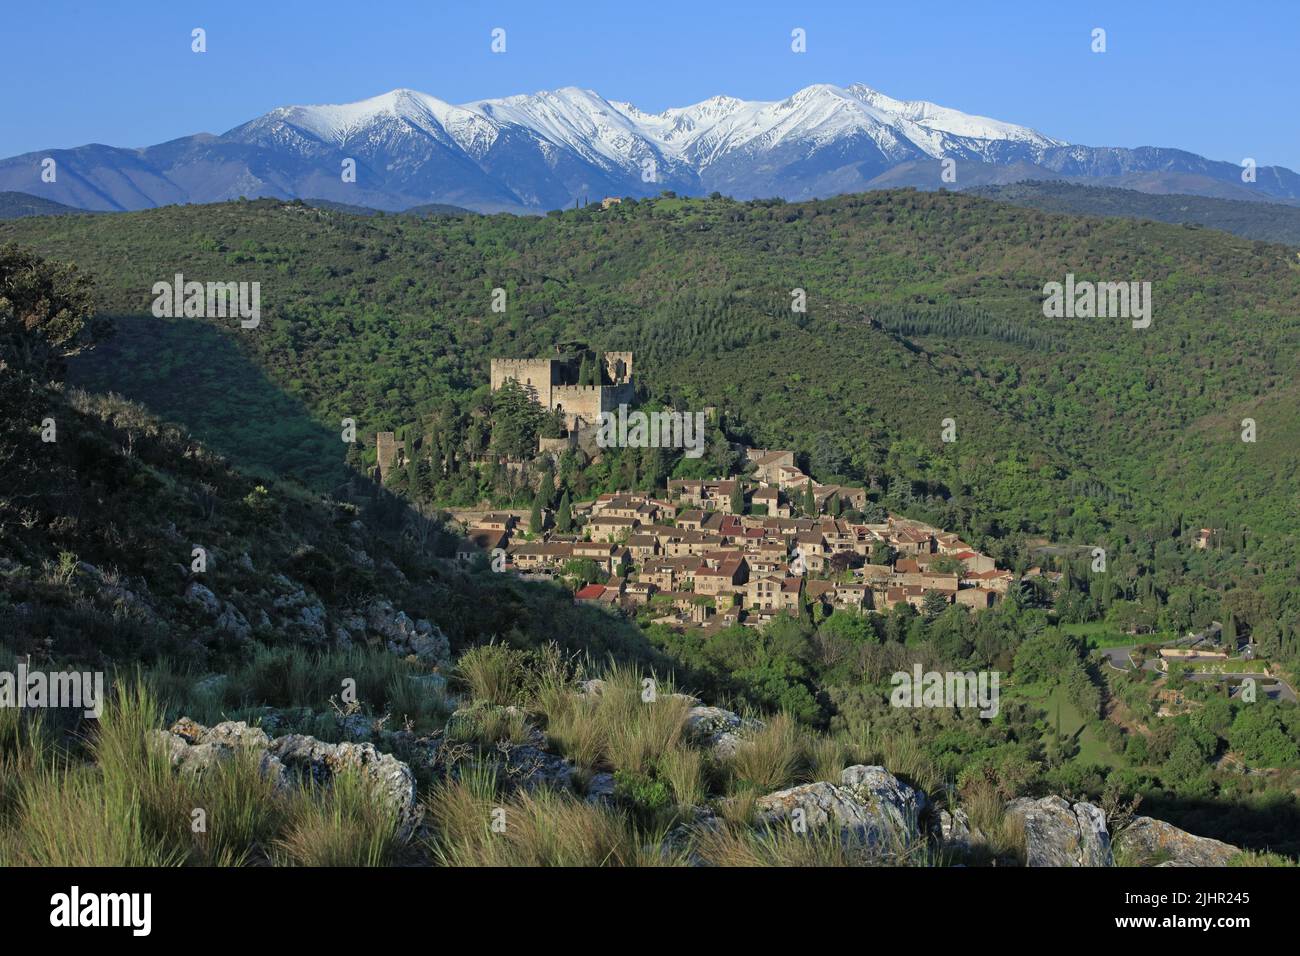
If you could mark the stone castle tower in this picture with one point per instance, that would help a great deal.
(553, 384)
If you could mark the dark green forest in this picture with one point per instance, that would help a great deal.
(920, 307)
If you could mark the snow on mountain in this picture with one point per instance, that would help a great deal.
(546, 150)
(619, 135)
(931, 116)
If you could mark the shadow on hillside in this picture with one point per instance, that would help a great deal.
(189, 372)
(1273, 827)
(195, 374)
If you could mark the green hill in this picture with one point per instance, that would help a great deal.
(921, 307)
(1270, 221)
(15, 205)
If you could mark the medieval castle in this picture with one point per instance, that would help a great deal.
(554, 384)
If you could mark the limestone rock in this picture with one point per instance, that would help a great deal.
(1148, 842)
(954, 829)
(719, 730)
(403, 636)
(392, 780)
(193, 748)
(198, 594)
(1060, 834)
(870, 806)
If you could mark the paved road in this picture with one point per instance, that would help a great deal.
(1121, 658)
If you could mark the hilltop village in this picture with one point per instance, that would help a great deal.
(694, 561)
(738, 549)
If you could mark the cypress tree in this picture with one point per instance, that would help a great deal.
(535, 517)
(546, 489)
(564, 517)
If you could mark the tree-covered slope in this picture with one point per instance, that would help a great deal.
(920, 307)
(1270, 221)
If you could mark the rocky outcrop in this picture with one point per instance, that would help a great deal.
(955, 830)
(1148, 842)
(203, 597)
(870, 805)
(718, 730)
(317, 761)
(403, 636)
(1058, 833)
(294, 759)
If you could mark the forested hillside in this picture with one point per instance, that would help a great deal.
(920, 308)
(1271, 221)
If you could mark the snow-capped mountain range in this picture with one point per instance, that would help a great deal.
(546, 150)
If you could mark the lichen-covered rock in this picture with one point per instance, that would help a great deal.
(1058, 833)
(881, 789)
(193, 748)
(718, 730)
(870, 806)
(201, 596)
(1148, 842)
(392, 780)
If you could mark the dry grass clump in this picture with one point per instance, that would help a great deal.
(624, 724)
(474, 826)
(342, 825)
(768, 759)
(127, 806)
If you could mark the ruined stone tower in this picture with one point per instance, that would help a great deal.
(553, 384)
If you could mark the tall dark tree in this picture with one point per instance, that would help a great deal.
(546, 488)
(564, 516)
(535, 519)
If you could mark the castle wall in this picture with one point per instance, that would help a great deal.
(618, 367)
(581, 404)
(535, 375)
(387, 449)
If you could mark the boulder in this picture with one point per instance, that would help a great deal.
(531, 768)
(1058, 833)
(201, 596)
(403, 636)
(392, 781)
(233, 622)
(718, 730)
(870, 806)
(193, 748)
(1148, 842)
(954, 829)
(600, 788)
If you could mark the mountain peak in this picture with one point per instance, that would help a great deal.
(542, 150)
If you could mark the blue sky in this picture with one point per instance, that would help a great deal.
(1218, 79)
